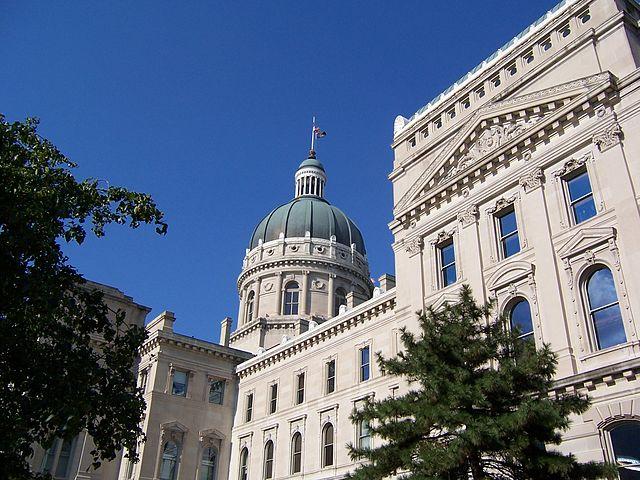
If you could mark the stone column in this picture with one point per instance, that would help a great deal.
(278, 293)
(241, 307)
(470, 251)
(548, 326)
(304, 290)
(256, 298)
(331, 295)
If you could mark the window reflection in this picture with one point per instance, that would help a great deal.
(581, 197)
(604, 309)
(520, 319)
(626, 448)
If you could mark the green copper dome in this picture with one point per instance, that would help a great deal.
(312, 162)
(308, 214)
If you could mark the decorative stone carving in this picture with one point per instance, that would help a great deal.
(294, 248)
(317, 284)
(319, 248)
(270, 251)
(525, 99)
(468, 216)
(268, 287)
(442, 236)
(502, 203)
(608, 138)
(531, 180)
(414, 245)
(573, 164)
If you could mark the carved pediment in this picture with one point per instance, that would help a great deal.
(510, 273)
(586, 239)
(492, 128)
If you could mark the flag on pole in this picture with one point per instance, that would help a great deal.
(319, 133)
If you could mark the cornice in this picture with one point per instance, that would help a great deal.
(332, 327)
(487, 68)
(158, 338)
(588, 381)
(300, 262)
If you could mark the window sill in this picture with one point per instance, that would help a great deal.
(608, 355)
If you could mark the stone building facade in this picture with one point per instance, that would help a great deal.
(521, 180)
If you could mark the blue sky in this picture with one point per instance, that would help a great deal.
(207, 106)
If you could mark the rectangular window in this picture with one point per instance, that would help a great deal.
(273, 402)
(480, 92)
(465, 103)
(508, 230)
(447, 263)
(331, 376)
(364, 363)
(216, 392)
(249, 410)
(300, 388)
(364, 435)
(143, 381)
(580, 197)
(179, 386)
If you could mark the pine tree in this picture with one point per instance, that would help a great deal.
(480, 405)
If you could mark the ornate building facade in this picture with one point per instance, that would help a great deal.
(521, 180)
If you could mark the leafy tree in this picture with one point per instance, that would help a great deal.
(480, 405)
(65, 360)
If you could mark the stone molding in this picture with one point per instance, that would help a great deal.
(531, 180)
(468, 216)
(610, 137)
(324, 332)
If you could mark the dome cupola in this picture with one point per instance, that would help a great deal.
(310, 177)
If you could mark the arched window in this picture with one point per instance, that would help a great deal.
(208, 464)
(520, 318)
(604, 310)
(268, 460)
(244, 461)
(249, 308)
(291, 298)
(626, 449)
(340, 299)
(169, 464)
(296, 453)
(327, 445)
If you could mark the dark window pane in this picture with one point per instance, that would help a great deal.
(521, 317)
(449, 275)
(584, 209)
(447, 254)
(609, 327)
(579, 186)
(626, 447)
(508, 223)
(601, 289)
(510, 245)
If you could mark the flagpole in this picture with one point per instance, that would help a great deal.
(313, 132)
